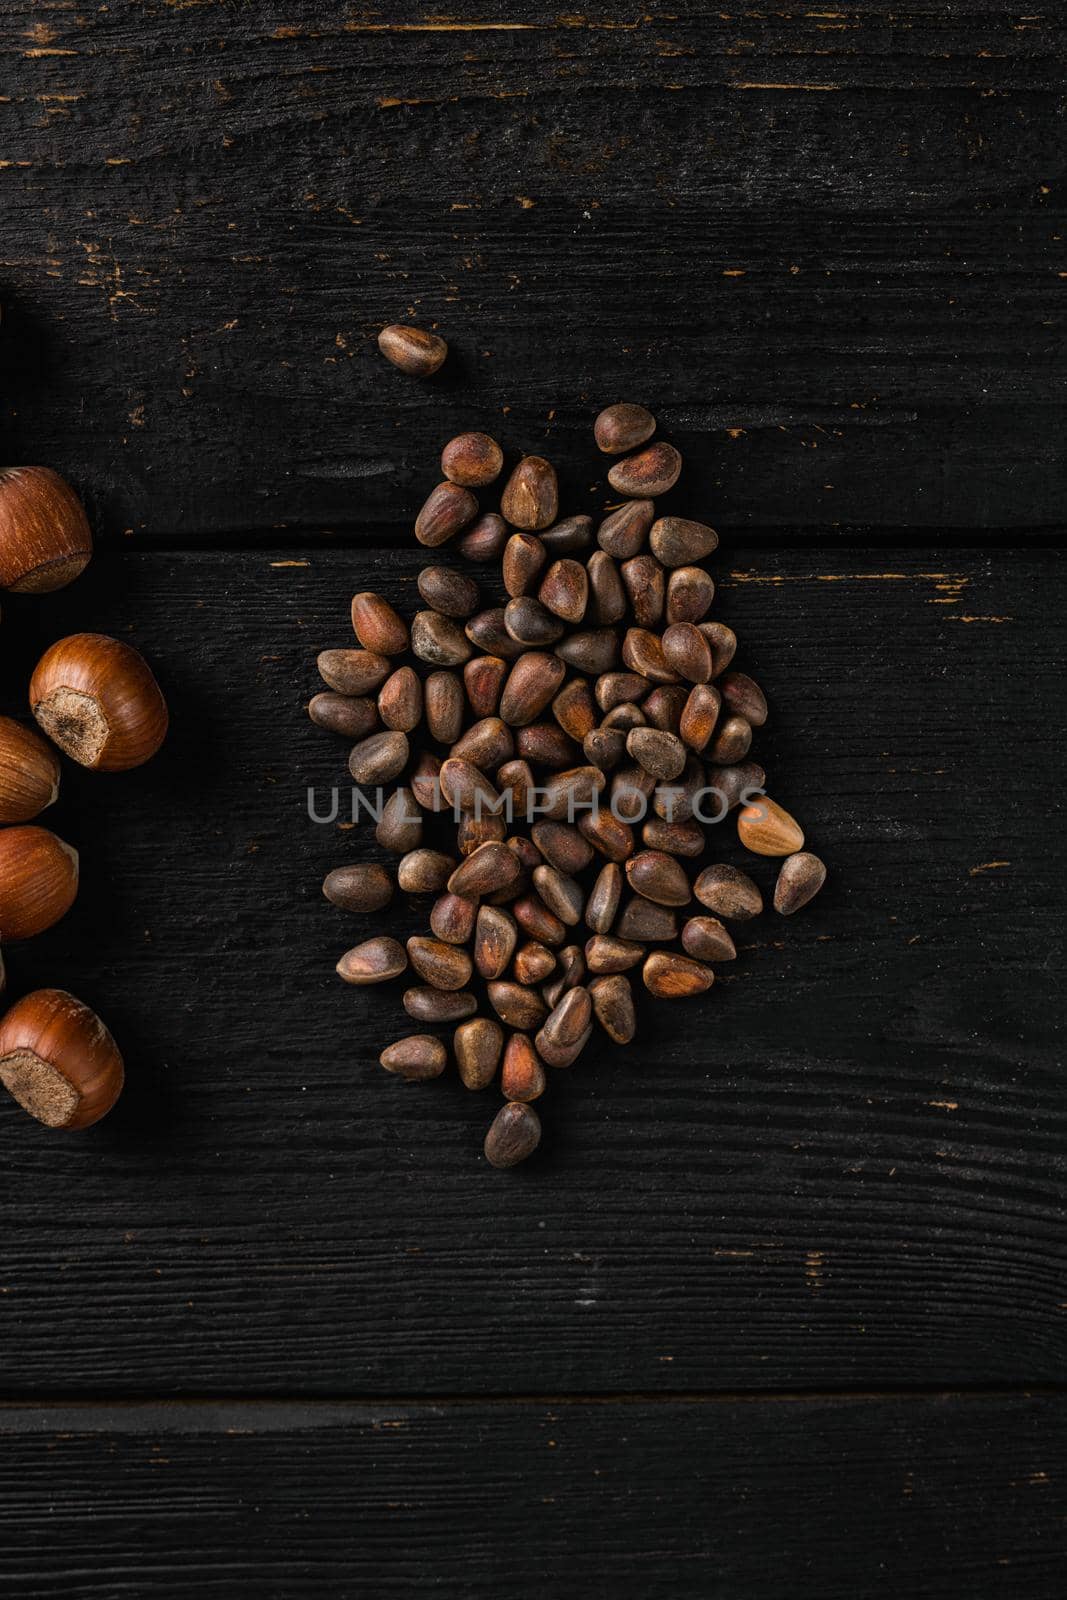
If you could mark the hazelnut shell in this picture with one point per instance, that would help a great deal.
(97, 699)
(29, 773)
(38, 881)
(45, 540)
(59, 1060)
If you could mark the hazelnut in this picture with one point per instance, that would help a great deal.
(97, 699)
(29, 773)
(45, 540)
(38, 881)
(59, 1060)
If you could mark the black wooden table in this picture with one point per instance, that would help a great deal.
(780, 1310)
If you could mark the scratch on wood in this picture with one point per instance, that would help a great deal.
(952, 588)
(810, 88)
(451, 25)
(942, 579)
(101, 275)
(452, 99)
(290, 563)
(986, 866)
(443, 25)
(604, 26)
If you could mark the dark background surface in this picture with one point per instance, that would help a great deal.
(780, 1308)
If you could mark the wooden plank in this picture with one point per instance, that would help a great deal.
(803, 1499)
(519, 49)
(846, 1167)
(845, 305)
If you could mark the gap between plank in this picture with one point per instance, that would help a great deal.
(251, 1414)
(399, 536)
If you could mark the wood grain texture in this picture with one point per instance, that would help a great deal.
(826, 247)
(845, 1168)
(787, 1500)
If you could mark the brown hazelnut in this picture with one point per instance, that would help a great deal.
(45, 540)
(59, 1060)
(97, 699)
(38, 881)
(29, 773)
